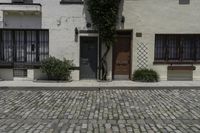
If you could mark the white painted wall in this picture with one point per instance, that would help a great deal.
(61, 20)
(160, 16)
(61, 24)
(146, 16)
(22, 20)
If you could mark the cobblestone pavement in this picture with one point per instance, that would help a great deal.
(60, 111)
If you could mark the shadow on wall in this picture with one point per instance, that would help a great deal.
(120, 20)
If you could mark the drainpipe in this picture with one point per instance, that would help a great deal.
(100, 47)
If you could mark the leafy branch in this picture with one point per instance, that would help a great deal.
(104, 14)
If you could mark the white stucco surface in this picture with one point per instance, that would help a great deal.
(144, 16)
(22, 20)
(151, 17)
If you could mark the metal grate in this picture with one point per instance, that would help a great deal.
(142, 56)
(177, 47)
(20, 73)
(23, 46)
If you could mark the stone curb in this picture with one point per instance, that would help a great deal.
(98, 88)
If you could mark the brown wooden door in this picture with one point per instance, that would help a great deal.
(122, 58)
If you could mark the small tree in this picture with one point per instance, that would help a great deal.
(145, 75)
(57, 69)
(104, 14)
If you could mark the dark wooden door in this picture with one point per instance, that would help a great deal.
(122, 58)
(88, 57)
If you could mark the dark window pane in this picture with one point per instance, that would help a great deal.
(173, 47)
(177, 47)
(19, 46)
(43, 45)
(31, 46)
(160, 47)
(197, 42)
(7, 46)
(187, 47)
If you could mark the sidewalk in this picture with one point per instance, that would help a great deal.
(95, 84)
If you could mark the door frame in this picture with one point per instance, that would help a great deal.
(126, 34)
(97, 64)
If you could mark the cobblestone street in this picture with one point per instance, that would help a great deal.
(60, 111)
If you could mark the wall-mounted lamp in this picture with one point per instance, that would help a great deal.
(122, 19)
(76, 34)
(88, 25)
(76, 31)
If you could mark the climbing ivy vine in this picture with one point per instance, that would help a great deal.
(104, 14)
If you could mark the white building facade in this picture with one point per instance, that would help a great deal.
(163, 35)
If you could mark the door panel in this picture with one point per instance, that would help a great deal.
(122, 58)
(88, 58)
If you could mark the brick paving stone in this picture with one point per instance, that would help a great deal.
(64, 111)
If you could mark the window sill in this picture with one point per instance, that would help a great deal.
(20, 4)
(71, 2)
(26, 65)
(6, 64)
(175, 62)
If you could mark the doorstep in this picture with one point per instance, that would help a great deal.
(95, 85)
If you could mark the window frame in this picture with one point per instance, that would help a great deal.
(5, 63)
(195, 41)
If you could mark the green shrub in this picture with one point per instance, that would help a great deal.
(145, 75)
(57, 69)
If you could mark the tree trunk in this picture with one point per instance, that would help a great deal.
(104, 63)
